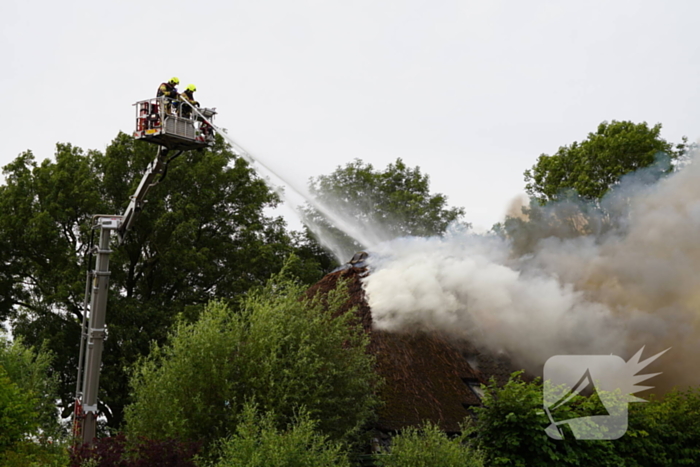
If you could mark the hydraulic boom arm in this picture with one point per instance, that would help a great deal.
(138, 199)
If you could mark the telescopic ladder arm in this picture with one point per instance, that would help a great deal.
(138, 199)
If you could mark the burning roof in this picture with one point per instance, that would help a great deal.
(426, 376)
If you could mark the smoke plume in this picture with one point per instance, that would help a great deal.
(568, 278)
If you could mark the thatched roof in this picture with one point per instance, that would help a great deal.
(426, 376)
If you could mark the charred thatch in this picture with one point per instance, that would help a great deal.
(426, 376)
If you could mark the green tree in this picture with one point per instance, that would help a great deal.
(258, 442)
(511, 429)
(663, 431)
(279, 350)
(430, 447)
(203, 234)
(379, 205)
(593, 166)
(565, 219)
(17, 415)
(30, 370)
(30, 433)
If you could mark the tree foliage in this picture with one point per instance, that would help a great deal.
(279, 350)
(593, 166)
(258, 442)
(381, 205)
(511, 430)
(664, 431)
(30, 433)
(430, 447)
(17, 415)
(29, 369)
(203, 234)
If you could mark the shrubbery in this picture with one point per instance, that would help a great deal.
(30, 433)
(259, 443)
(430, 447)
(663, 431)
(17, 416)
(280, 351)
(117, 451)
(510, 430)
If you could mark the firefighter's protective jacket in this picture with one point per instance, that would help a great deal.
(189, 97)
(167, 90)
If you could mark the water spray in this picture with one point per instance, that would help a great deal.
(277, 183)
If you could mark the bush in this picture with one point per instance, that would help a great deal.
(280, 350)
(259, 443)
(17, 416)
(116, 451)
(30, 433)
(32, 454)
(30, 369)
(663, 432)
(429, 447)
(511, 430)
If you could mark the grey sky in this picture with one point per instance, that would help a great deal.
(472, 92)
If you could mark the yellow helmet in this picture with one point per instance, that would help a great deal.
(174, 80)
(191, 87)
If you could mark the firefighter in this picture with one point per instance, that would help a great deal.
(188, 96)
(168, 90)
(206, 131)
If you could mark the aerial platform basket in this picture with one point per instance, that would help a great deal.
(173, 124)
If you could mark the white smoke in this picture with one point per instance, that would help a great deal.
(573, 279)
(464, 286)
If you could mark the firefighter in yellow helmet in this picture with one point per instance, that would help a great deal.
(188, 96)
(168, 91)
(169, 88)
